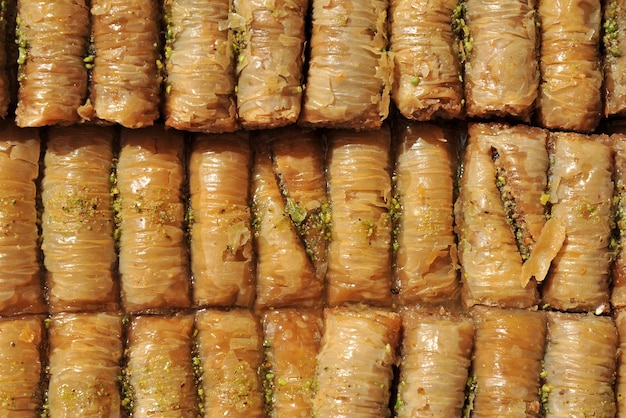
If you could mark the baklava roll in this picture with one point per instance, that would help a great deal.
(359, 189)
(298, 156)
(425, 265)
(349, 76)
(222, 258)
(570, 92)
(507, 362)
(581, 195)
(434, 365)
(355, 363)
(230, 352)
(426, 68)
(153, 263)
(501, 69)
(125, 83)
(291, 340)
(85, 350)
(270, 40)
(285, 273)
(199, 67)
(618, 267)
(614, 57)
(579, 365)
(77, 220)
(21, 288)
(53, 38)
(158, 378)
(21, 340)
(488, 225)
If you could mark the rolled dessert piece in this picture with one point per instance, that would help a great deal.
(359, 189)
(426, 68)
(425, 256)
(499, 213)
(199, 67)
(507, 362)
(53, 39)
(614, 57)
(153, 266)
(501, 68)
(618, 267)
(77, 220)
(349, 75)
(434, 364)
(5, 71)
(581, 198)
(298, 156)
(570, 91)
(579, 365)
(270, 39)
(125, 83)
(21, 278)
(222, 257)
(21, 342)
(285, 274)
(355, 363)
(84, 365)
(291, 341)
(230, 352)
(158, 376)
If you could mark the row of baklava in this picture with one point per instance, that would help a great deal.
(148, 221)
(221, 65)
(301, 363)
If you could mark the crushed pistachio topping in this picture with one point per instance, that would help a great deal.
(471, 387)
(415, 80)
(464, 39)
(265, 370)
(515, 221)
(90, 58)
(297, 213)
(22, 42)
(395, 213)
(611, 30)
(198, 373)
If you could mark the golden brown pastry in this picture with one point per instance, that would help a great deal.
(425, 268)
(21, 288)
(230, 354)
(580, 365)
(570, 95)
(349, 74)
(291, 340)
(159, 371)
(501, 70)
(581, 195)
(200, 67)
(507, 361)
(77, 219)
(154, 272)
(53, 37)
(359, 189)
(21, 341)
(354, 364)
(434, 364)
(426, 68)
(84, 365)
(125, 83)
(270, 40)
(222, 258)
